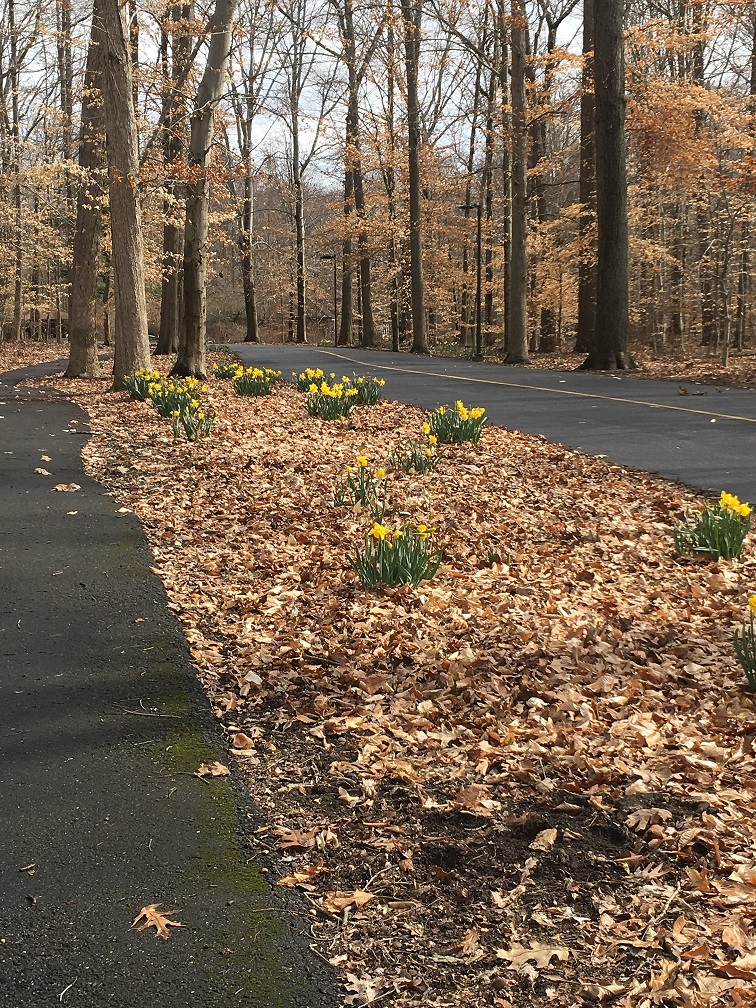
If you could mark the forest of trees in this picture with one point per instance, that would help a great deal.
(185, 158)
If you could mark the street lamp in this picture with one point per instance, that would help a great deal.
(478, 279)
(332, 256)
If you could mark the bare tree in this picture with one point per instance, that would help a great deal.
(191, 356)
(132, 349)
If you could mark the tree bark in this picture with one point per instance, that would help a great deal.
(586, 321)
(18, 280)
(517, 312)
(174, 111)
(191, 360)
(610, 341)
(82, 310)
(132, 349)
(412, 14)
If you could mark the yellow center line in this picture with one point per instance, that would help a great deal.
(542, 388)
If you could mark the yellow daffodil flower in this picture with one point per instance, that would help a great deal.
(752, 604)
(380, 532)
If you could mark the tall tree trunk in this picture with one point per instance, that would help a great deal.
(586, 321)
(174, 113)
(347, 269)
(82, 310)
(488, 190)
(252, 330)
(132, 349)
(191, 360)
(299, 231)
(517, 312)
(610, 341)
(412, 15)
(466, 314)
(13, 74)
(505, 100)
(394, 263)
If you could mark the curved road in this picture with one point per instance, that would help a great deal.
(705, 437)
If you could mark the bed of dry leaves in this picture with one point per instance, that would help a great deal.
(530, 778)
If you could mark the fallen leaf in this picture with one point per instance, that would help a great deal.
(157, 919)
(212, 769)
(67, 487)
(518, 955)
(242, 741)
(338, 901)
(46, 458)
(301, 876)
(545, 840)
(599, 992)
(43, 472)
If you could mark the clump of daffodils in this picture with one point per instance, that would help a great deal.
(452, 426)
(330, 401)
(176, 399)
(718, 531)
(369, 389)
(406, 554)
(137, 384)
(254, 381)
(170, 395)
(745, 645)
(362, 484)
(226, 370)
(305, 378)
(415, 455)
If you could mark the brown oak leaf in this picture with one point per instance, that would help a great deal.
(157, 919)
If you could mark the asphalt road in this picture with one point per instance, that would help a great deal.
(102, 725)
(705, 438)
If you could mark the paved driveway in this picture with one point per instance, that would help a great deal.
(705, 438)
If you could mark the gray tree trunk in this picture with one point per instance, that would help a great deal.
(173, 114)
(610, 342)
(82, 310)
(586, 321)
(517, 295)
(132, 350)
(191, 357)
(412, 14)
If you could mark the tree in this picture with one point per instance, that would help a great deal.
(610, 341)
(177, 38)
(517, 311)
(586, 320)
(191, 356)
(132, 350)
(82, 312)
(412, 14)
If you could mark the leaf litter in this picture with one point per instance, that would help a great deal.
(531, 777)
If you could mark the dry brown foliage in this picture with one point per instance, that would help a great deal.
(529, 779)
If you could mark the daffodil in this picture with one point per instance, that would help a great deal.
(752, 604)
(380, 473)
(362, 462)
(381, 532)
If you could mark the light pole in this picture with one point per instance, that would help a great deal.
(332, 256)
(478, 279)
